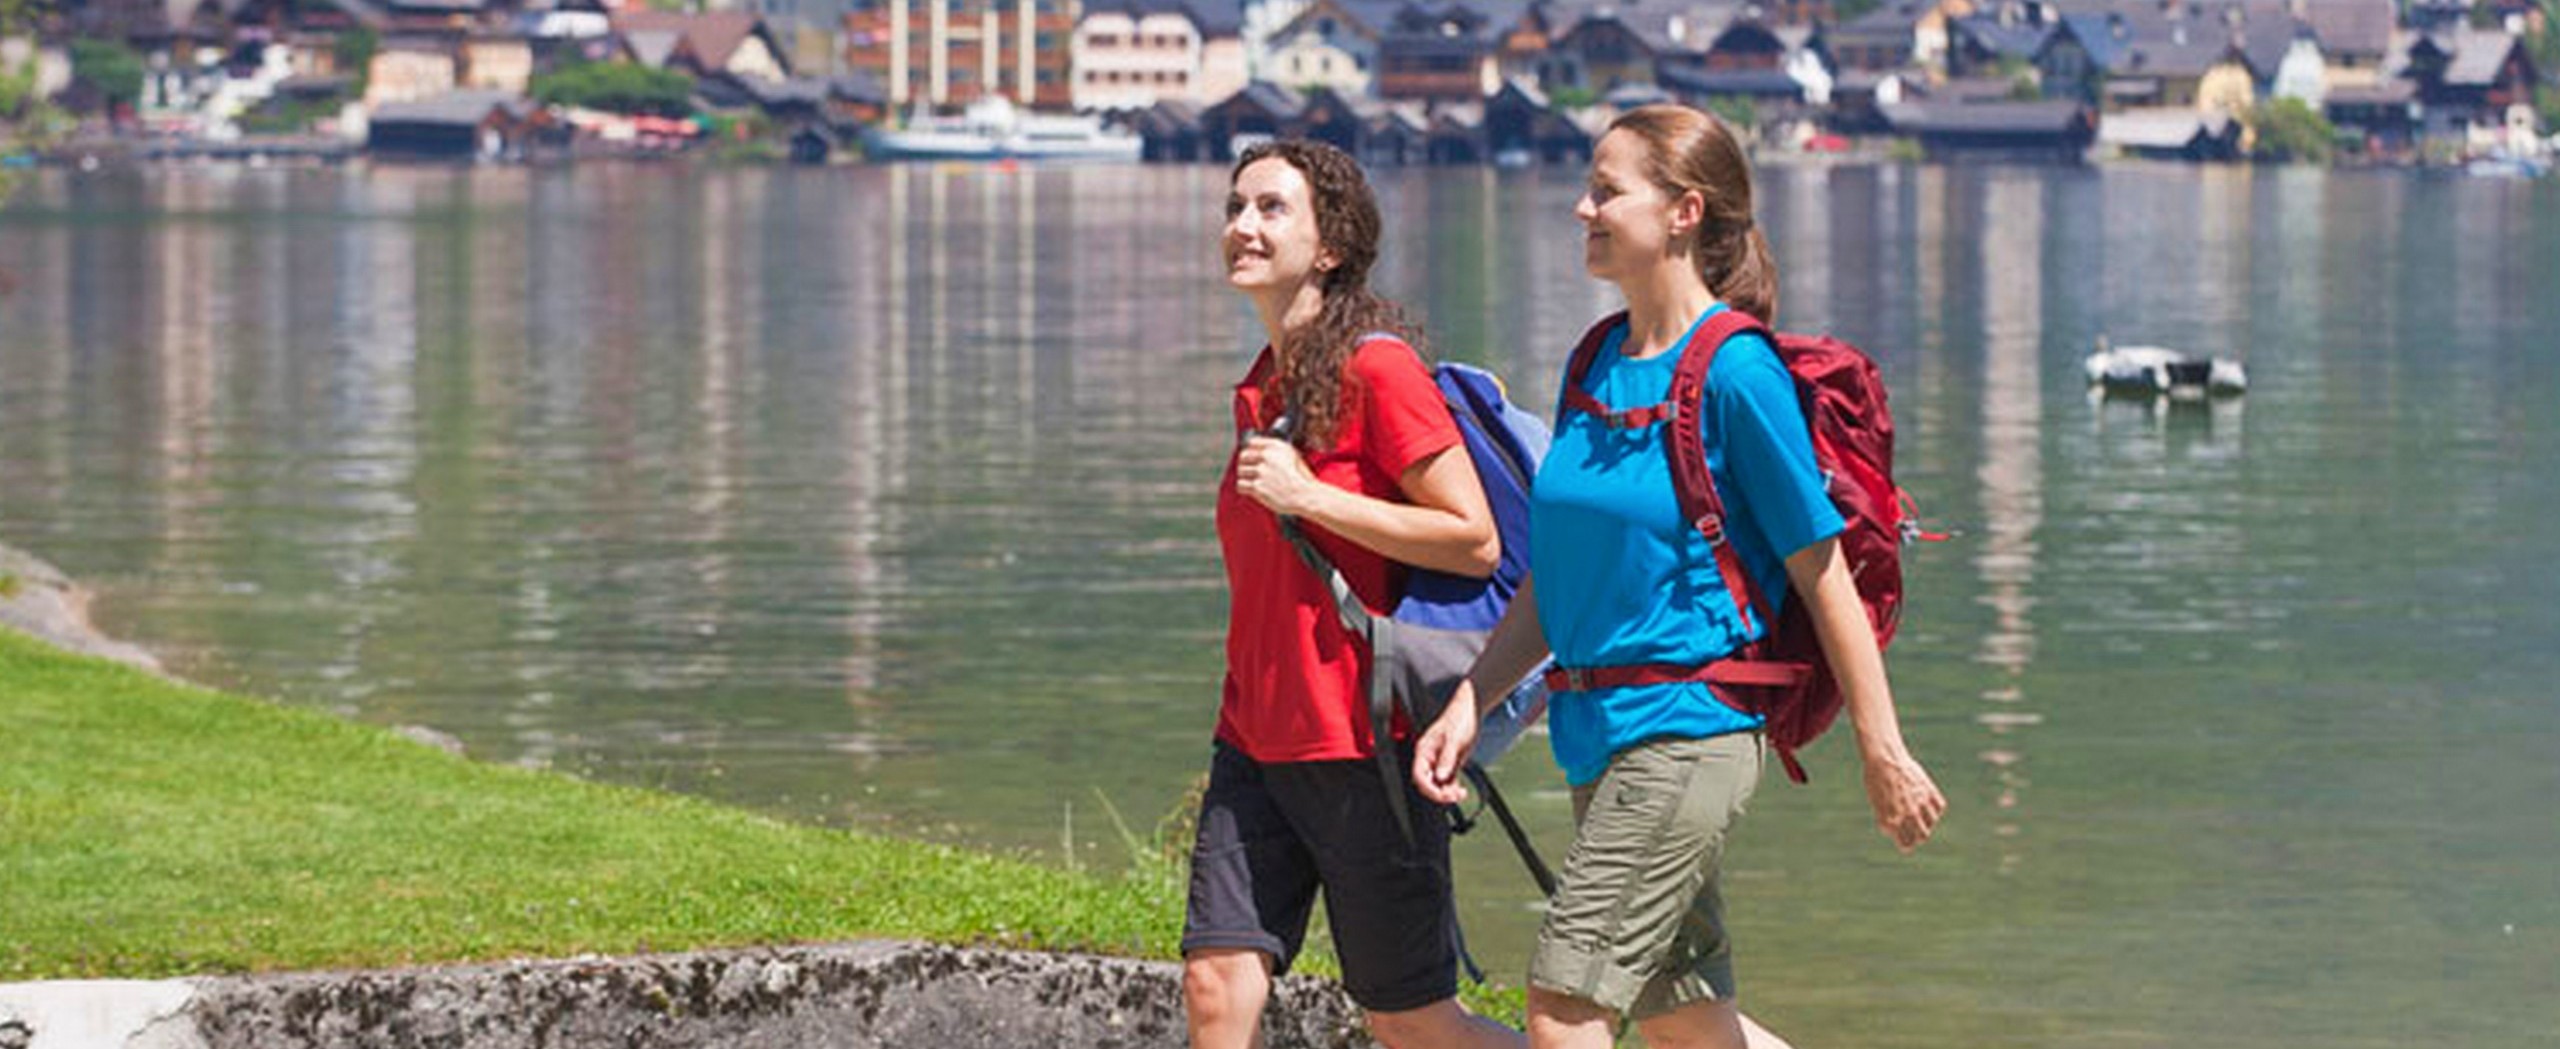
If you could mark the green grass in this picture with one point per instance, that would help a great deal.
(149, 828)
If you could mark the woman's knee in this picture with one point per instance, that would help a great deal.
(1559, 1019)
(1223, 982)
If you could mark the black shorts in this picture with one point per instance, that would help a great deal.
(1271, 835)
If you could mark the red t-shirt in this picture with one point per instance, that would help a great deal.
(1294, 689)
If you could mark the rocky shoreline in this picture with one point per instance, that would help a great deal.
(854, 996)
(37, 599)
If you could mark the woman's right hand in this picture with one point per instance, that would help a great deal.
(1906, 801)
(1440, 756)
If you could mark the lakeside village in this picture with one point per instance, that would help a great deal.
(1510, 82)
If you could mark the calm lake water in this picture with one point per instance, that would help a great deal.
(882, 497)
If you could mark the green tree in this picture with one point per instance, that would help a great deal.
(617, 87)
(2544, 46)
(2290, 130)
(1735, 111)
(110, 67)
(354, 52)
(1573, 97)
(27, 123)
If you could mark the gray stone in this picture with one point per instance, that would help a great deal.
(37, 599)
(857, 996)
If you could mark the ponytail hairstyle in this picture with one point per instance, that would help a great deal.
(1314, 364)
(1686, 150)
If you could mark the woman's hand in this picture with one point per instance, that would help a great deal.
(1269, 471)
(1906, 801)
(1440, 756)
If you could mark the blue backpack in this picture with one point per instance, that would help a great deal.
(1421, 650)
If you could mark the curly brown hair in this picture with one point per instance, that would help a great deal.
(1313, 363)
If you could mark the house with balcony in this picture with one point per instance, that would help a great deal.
(1132, 54)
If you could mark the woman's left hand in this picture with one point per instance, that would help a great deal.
(1270, 472)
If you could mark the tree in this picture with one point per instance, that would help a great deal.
(110, 68)
(27, 123)
(354, 54)
(2290, 130)
(2544, 45)
(617, 87)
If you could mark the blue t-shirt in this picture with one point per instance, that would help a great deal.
(1622, 578)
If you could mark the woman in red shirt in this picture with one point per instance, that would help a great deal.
(1340, 427)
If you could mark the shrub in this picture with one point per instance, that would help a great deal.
(617, 87)
(2290, 130)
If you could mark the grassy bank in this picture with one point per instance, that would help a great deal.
(150, 828)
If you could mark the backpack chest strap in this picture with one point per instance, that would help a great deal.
(1578, 399)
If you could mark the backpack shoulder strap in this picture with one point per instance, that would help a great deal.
(1690, 478)
(1574, 397)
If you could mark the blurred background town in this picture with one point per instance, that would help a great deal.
(1507, 82)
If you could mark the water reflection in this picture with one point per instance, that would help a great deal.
(2010, 481)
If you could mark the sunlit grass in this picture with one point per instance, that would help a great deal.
(149, 828)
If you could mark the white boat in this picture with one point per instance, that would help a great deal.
(2505, 165)
(993, 129)
(2159, 371)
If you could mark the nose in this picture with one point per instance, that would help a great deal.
(1584, 210)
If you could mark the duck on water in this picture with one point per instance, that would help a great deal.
(2157, 371)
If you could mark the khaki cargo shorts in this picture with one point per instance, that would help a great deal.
(1636, 924)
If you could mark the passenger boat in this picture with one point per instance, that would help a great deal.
(994, 129)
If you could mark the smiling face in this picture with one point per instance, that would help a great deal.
(1629, 222)
(1271, 241)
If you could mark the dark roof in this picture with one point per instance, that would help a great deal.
(2185, 51)
(858, 87)
(2385, 93)
(1275, 99)
(1999, 118)
(2021, 41)
(1755, 83)
(1889, 22)
(1215, 18)
(2097, 34)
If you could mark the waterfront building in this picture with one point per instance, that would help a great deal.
(948, 53)
(1132, 54)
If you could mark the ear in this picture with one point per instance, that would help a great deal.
(1326, 260)
(1688, 212)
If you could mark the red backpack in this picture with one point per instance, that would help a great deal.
(1783, 677)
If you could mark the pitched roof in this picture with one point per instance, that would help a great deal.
(1987, 32)
(652, 47)
(2351, 28)
(1675, 27)
(713, 37)
(2478, 56)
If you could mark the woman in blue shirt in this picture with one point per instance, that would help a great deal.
(1619, 577)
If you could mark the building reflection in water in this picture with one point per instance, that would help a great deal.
(2010, 475)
